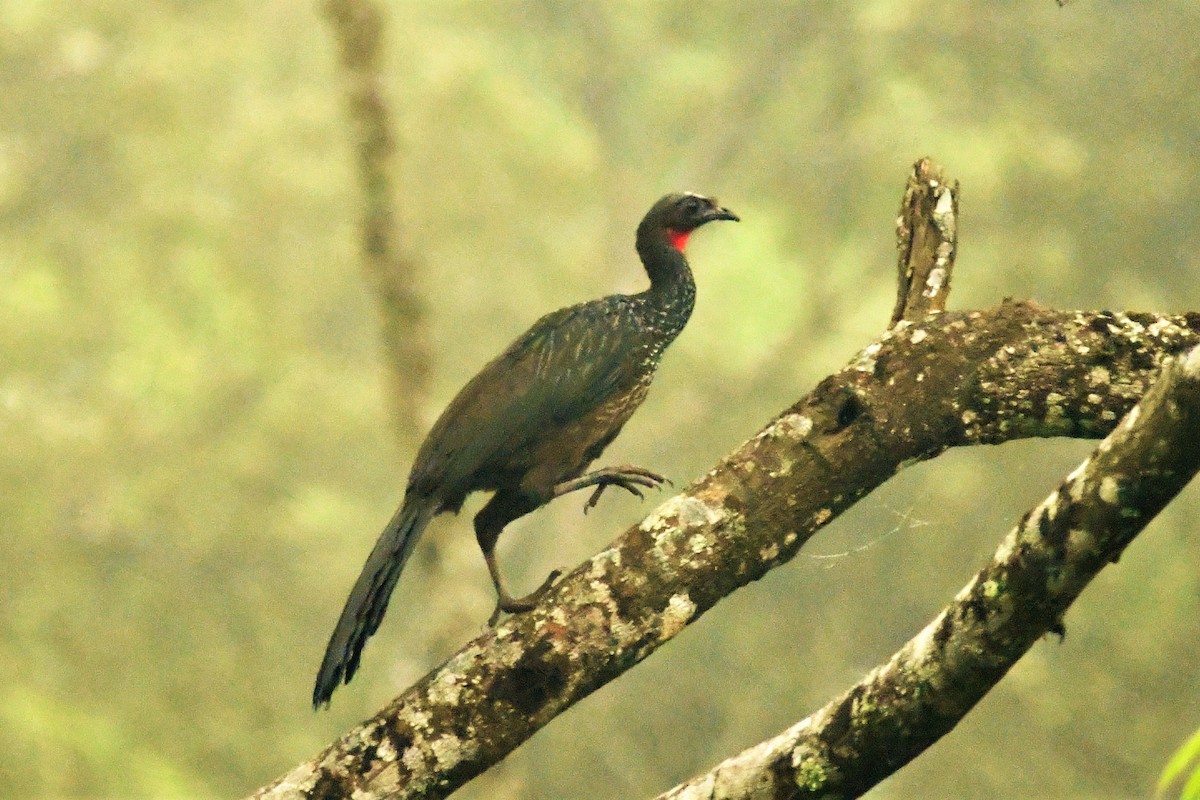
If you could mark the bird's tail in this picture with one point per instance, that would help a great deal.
(369, 598)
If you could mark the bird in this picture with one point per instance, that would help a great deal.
(529, 424)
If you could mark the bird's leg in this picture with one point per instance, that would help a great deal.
(502, 509)
(506, 603)
(627, 477)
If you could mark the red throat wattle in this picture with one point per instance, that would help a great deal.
(678, 239)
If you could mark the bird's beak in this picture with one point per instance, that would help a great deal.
(716, 212)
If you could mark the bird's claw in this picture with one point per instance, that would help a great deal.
(628, 478)
(506, 604)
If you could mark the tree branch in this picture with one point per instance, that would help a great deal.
(927, 241)
(960, 378)
(907, 704)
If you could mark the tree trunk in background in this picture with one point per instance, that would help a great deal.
(391, 272)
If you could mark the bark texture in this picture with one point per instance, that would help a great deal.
(927, 241)
(905, 705)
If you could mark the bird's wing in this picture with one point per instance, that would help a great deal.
(568, 363)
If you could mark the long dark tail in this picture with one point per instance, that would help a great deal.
(369, 598)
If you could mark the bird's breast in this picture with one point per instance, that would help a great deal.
(578, 442)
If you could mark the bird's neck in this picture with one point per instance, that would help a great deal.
(672, 290)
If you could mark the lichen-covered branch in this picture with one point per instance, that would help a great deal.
(957, 378)
(926, 242)
(905, 705)
(390, 271)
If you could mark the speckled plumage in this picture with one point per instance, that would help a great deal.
(543, 409)
(532, 420)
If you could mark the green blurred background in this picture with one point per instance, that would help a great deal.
(197, 450)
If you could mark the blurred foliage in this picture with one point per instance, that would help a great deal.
(196, 457)
(1183, 769)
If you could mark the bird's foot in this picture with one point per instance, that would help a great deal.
(507, 604)
(631, 479)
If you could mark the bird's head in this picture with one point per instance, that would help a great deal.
(675, 216)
